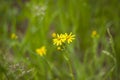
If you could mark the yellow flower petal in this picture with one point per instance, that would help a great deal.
(70, 38)
(13, 36)
(53, 34)
(59, 48)
(41, 51)
(94, 34)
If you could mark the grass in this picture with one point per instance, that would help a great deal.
(33, 22)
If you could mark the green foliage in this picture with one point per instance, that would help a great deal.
(33, 22)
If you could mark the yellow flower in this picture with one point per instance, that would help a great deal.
(53, 34)
(13, 36)
(69, 38)
(62, 38)
(41, 51)
(94, 34)
(58, 48)
(59, 39)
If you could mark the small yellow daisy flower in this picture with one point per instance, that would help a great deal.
(14, 36)
(94, 34)
(41, 51)
(53, 34)
(70, 37)
(58, 48)
(59, 39)
(63, 37)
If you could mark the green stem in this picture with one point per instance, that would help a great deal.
(70, 66)
(113, 49)
(111, 42)
(49, 64)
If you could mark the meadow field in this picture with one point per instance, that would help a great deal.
(59, 40)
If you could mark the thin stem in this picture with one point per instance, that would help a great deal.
(111, 56)
(111, 42)
(113, 49)
(49, 64)
(70, 66)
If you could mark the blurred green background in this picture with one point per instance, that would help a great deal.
(33, 21)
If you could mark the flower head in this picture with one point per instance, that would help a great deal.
(94, 34)
(70, 37)
(41, 51)
(14, 36)
(63, 38)
(58, 40)
(59, 48)
(53, 34)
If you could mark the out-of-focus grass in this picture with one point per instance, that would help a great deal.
(33, 21)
